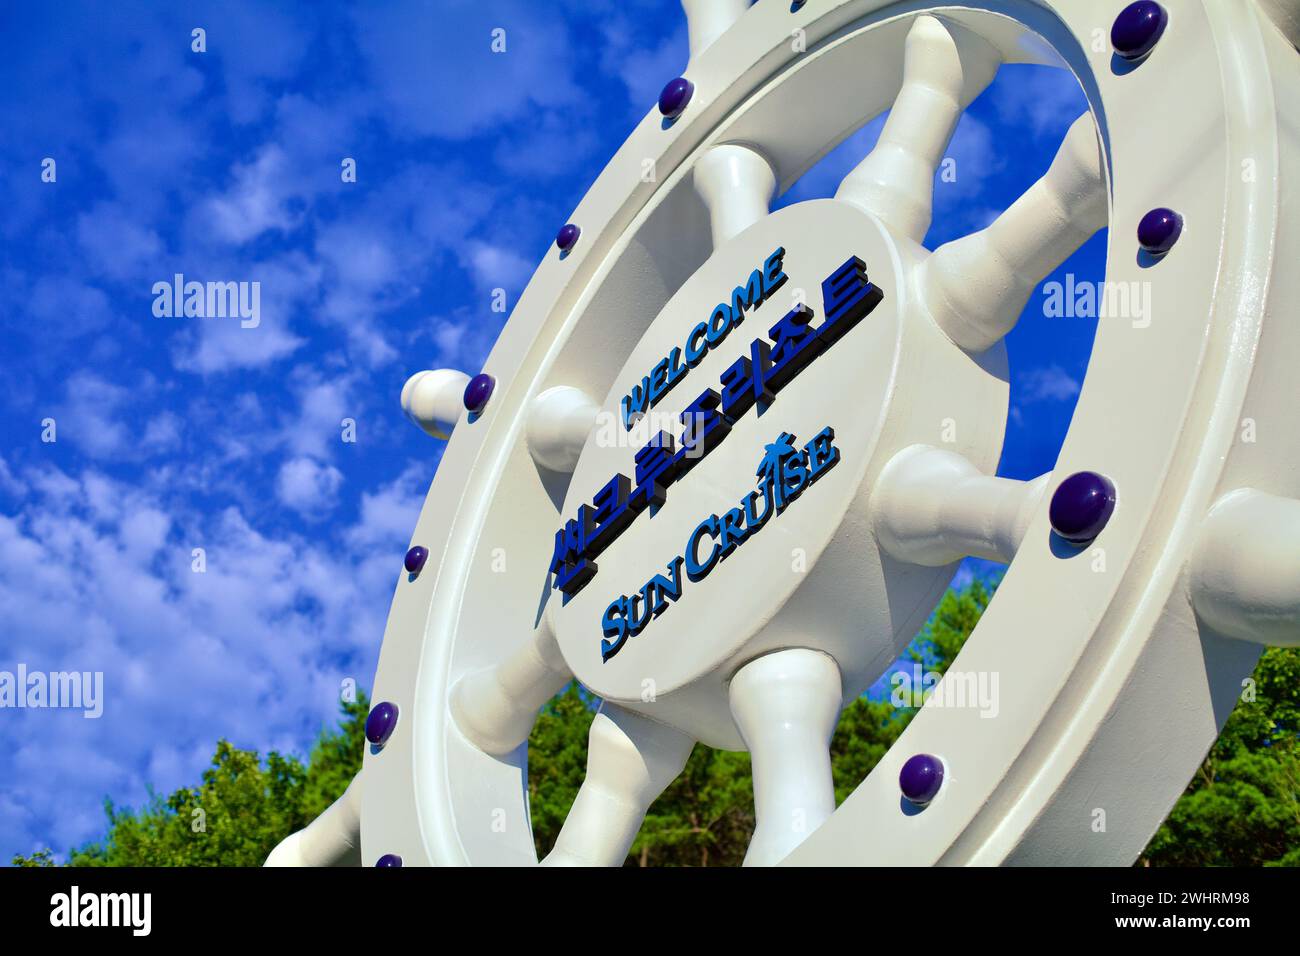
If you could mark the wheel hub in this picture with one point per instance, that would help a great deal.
(653, 618)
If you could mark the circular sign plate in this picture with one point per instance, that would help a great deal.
(684, 586)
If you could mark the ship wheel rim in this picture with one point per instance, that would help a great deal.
(409, 780)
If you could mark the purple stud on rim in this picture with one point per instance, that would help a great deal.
(389, 859)
(1081, 506)
(567, 237)
(1137, 29)
(1159, 230)
(921, 778)
(380, 722)
(675, 96)
(478, 391)
(415, 558)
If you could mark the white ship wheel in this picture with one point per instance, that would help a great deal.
(1119, 652)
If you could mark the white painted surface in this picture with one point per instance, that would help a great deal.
(435, 400)
(706, 20)
(495, 707)
(630, 761)
(736, 184)
(975, 287)
(1112, 685)
(1245, 571)
(559, 423)
(786, 704)
(944, 68)
(332, 839)
(933, 507)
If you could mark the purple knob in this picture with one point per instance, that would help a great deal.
(1081, 506)
(478, 391)
(567, 237)
(380, 722)
(415, 558)
(921, 778)
(1137, 29)
(675, 96)
(389, 859)
(1159, 230)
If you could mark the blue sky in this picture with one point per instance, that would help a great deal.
(183, 433)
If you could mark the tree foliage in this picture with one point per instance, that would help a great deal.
(706, 816)
(1242, 808)
(242, 808)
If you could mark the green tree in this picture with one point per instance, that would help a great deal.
(557, 761)
(239, 812)
(703, 818)
(706, 815)
(1242, 808)
(868, 728)
(39, 858)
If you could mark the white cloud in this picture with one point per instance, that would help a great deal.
(67, 307)
(308, 487)
(95, 574)
(390, 512)
(162, 432)
(976, 161)
(359, 256)
(643, 70)
(437, 75)
(495, 266)
(322, 405)
(116, 245)
(1049, 383)
(288, 283)
(1044, 98)
(89, 416)
(825, 176)
(258, 199)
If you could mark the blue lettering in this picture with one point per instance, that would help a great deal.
(719, 324)
(696, 348)
(658, 381)
(731, 531)
(705, 427)
(695, 568)
(747, 296)
(756, 290)
(754, 521)
(774, 272)
(846, 297)
(783, 473)
(794, 346)
(745, 382)
(634, 403)
(665, 588)
(611, 514)
(822, 455)
(636, 622)
(656, 468)
(614, 628)
(753, 380)
(676, 370)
